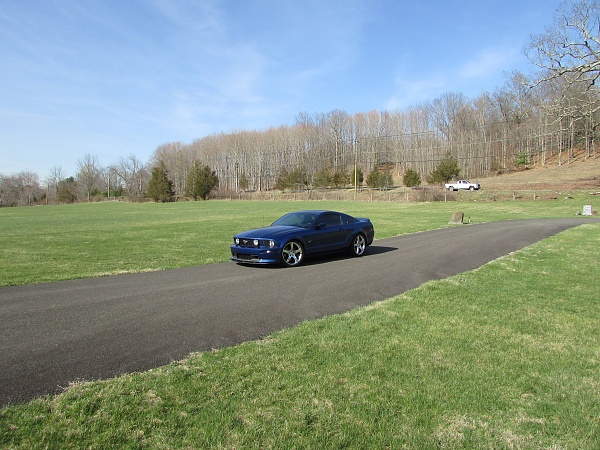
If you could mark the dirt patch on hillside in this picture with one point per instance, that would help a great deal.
(577, 173)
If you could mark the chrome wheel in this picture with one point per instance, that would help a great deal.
(359, 245)
(292, 253)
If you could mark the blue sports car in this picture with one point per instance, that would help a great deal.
(299, 234)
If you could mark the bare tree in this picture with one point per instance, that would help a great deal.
(571, 47)
(20, 190)
(112, 181)
(56, 176)
(29, 184)
(89, 174)
(133, 176)
(7, 191)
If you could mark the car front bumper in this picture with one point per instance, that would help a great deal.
(249, 255)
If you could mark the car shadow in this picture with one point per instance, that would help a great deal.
(379, 249)
(372, 250)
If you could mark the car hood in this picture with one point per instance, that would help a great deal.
(269, 232)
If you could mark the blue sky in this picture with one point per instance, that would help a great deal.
(112, 78)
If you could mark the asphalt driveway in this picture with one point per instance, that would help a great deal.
(53, 334)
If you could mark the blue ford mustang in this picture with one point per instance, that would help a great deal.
(302, 233)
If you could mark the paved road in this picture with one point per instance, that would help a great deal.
(52, 334)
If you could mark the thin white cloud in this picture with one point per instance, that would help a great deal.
(216, 71)
(415, 84)
(201, 18)
(488, 63)
(249, 57)
(410, 91)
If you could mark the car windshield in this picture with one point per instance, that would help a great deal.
(296, 219)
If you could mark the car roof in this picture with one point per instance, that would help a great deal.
(315, 211)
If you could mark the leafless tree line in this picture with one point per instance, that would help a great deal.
(487, 135)
(126, 179)
(530, 119)
(20, 189)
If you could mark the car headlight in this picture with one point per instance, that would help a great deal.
(256, 242)
(271, 244)
(237, 241)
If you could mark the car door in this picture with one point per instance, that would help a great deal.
(329, 233)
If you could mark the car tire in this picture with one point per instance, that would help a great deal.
(292, 254)
(359, 245)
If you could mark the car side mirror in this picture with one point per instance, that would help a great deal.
(320, 226)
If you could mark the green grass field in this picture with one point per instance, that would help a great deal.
(88, 240)
(503, 357)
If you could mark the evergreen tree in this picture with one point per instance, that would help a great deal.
(444, 171)
(380, 179)
(322, 178)
(357, 177)
(373, 178)
(160, 188)
(206, 182)
(243, 182)
(282, 181)
(201, 180)
(386, 181)
(340, 178)
(298, 178)
(411, 178)
(66, 191)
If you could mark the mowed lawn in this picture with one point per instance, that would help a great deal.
(54, 243)
(503, 357)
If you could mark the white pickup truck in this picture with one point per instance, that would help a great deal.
(462, 184)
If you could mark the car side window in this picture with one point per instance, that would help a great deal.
(331, 219)
(307, 219)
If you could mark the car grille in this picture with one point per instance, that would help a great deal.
(246, 243)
